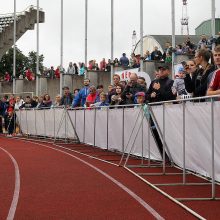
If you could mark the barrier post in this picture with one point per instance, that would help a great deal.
(26, 123)
(84, 124)
(65, 110)
(45, 136)
(213, 148)
(107, 127)
(54, 123)
(35, 121)
(184, 142)
(148, 141)
(164, 159)
(94, 126)
(123, 129)
(142, 140)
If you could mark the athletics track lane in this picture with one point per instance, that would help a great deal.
(57, 186)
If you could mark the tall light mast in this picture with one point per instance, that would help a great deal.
(184, 19)
(134, 41)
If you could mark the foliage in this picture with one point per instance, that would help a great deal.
(22, 62)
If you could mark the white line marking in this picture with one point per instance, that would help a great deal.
(12, 210)
(123, 187)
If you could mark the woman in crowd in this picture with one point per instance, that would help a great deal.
(116, 62)
(57, 73)
(198, 83)
(18, 102)
(81, 69)
(91, 97)
(116, 99)
(46, 101)
(57, 101)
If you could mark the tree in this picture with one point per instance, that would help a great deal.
(32, 59)
(22, 62)
(6, 64)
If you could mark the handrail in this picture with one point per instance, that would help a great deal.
(184, 100)
(29, 8)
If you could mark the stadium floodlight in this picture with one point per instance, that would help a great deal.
(14, 50)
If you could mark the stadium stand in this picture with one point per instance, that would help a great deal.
(25, 21)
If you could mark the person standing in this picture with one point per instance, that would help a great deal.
(199, 82)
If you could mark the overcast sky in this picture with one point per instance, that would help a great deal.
(157, 20)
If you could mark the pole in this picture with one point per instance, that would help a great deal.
(112, 40)
(173, 33)
(86, 33)
(14, 50)
(37, 55)
(141, 35)
(213, 18)
(61, 48)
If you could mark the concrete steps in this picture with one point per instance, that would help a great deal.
(25, 21)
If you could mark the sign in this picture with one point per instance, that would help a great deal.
(125, 75)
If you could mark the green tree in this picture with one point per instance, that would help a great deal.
(32, 59)
(6, 63)
(22, 62)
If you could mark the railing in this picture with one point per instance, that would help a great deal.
(28, 9)
(188, 130)
(106, 128)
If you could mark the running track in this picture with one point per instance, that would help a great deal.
(57, 184)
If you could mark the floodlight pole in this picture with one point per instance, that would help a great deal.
(112, 40)
(141, 36)
(213, 18)
(86, 33)
(14, 50)
(61, 49)
(173, 33)
(37, 55)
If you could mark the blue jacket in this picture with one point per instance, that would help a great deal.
(80, 99)
(2, 108)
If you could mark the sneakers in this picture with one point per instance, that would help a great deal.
(8, 135)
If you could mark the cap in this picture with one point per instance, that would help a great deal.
(180, 69)
(140, 94)
(165, 67)
(66, 87)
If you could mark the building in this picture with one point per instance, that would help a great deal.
(205, 27)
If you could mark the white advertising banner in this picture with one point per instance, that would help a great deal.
(107, 129)
(198, 149)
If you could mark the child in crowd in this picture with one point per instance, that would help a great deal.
(103, 101)
(140, 96)
(179, 84)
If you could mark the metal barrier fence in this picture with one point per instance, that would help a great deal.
(187, 129)
(106, 128)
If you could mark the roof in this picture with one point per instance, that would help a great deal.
(160, 40)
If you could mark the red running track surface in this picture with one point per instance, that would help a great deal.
(55, 185)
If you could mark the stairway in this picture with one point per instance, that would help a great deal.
(25, 21)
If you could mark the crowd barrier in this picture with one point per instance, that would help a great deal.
(106, 128)
(191, 133)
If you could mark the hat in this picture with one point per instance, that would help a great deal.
(66, 87)
(165, 67)
(180, 69)
(140, 94)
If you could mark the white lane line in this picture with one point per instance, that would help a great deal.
(123, 187)
(12, 210)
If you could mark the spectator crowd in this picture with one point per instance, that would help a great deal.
(197, 77)
(186, 48)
